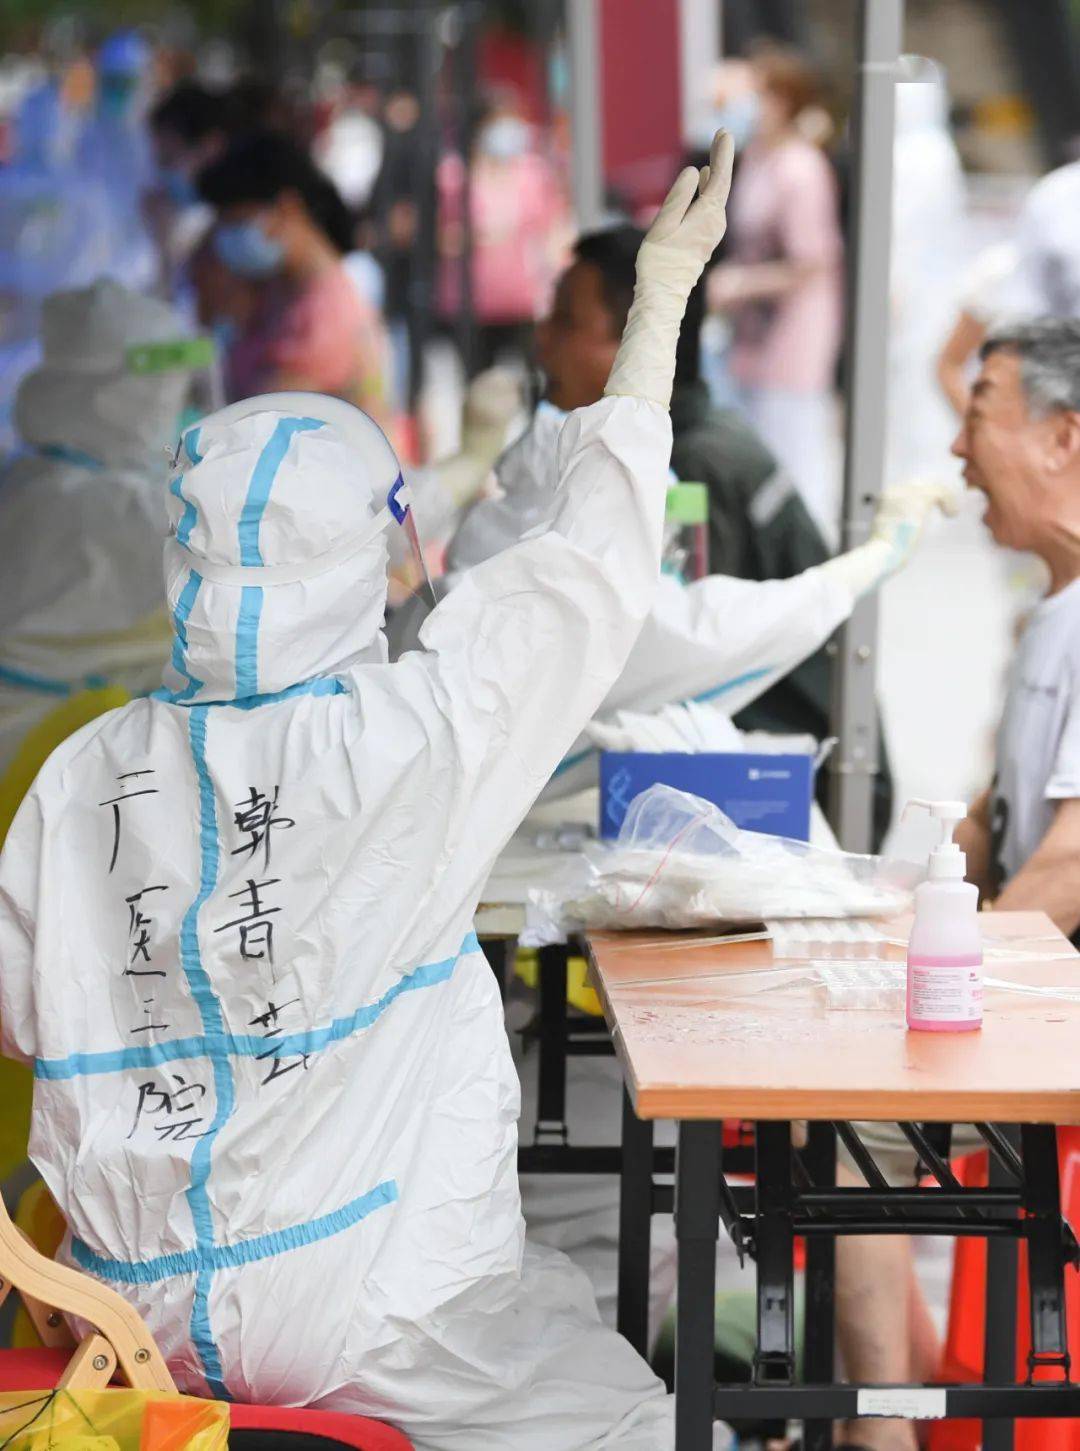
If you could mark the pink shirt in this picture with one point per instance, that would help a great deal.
(517, 210)
(784, 208)
(323, 332)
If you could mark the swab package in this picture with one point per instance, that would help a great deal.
(679, 862)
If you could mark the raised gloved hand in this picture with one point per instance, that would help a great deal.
(898, 525)
(491, 403)
(686, 232)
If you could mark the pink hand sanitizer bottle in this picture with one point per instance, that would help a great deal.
(945, 958)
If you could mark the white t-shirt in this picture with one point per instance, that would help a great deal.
(1038, 751)
(1046, 281)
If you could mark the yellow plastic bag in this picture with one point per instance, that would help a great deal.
(580, 993)
(111, 1420)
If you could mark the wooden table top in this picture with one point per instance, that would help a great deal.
(711, 1030)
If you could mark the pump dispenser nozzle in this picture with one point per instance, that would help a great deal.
(946, 860)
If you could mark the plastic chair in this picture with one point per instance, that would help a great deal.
(963, 1355)
(118, 1346)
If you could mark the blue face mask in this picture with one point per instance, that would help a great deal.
(178, 187)
(116, 95)
(246, 249)
(505, 138)
(224, 332)
(739, 117)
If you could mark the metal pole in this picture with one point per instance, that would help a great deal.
(854, 710)
(586, 125)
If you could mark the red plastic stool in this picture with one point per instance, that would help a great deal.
(964, 1343)
(39, 1369)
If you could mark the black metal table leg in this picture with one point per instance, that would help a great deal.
(635, 1227)
(697, 1218)
(1046, 1249)
(819, 1313)
(774, 1363)
(551, 1094)
(1000, 1344)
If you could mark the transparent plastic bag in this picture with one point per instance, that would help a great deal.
(679, 862)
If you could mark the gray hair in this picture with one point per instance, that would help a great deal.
(1049, 352)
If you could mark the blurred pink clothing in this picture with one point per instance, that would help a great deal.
(322, 333)
(517, 208)
(784, 209)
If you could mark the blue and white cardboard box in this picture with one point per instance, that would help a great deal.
(765, 793)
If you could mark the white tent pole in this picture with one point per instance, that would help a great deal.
(854, 714)
(586, 115)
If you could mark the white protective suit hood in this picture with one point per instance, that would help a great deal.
(84, 399)
(82, 511)
(327, 564)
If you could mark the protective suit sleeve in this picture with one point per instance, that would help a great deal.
(727, 639)
(524, 649)
(902, 515)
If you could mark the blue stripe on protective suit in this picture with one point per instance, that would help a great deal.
(184, 605)
(262, 481)
(233, 1256)
(314, 1039)
(324, 685)
(48, 684)
(247, 641)
(187, 519)
(214, 1030)
(251, 517)
(152, 1055)
(81, 1065)
(77, 456)
(747, 679)
(190, 443)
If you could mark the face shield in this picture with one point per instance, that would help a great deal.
(197, 357)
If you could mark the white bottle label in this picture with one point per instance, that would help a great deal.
(949, 993)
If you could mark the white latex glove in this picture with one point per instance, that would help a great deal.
(493, 400)
(898, 525)
(687, 230)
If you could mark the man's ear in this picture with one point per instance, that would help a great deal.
(1063, 447)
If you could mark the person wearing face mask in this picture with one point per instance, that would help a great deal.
(56, 232)
(282, 229)
(190, 127)
(519, 217)
(114, 153)
(781, 283)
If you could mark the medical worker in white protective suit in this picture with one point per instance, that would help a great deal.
(275, 1100)
(54, 232)
(114, 153)
(82, 509)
